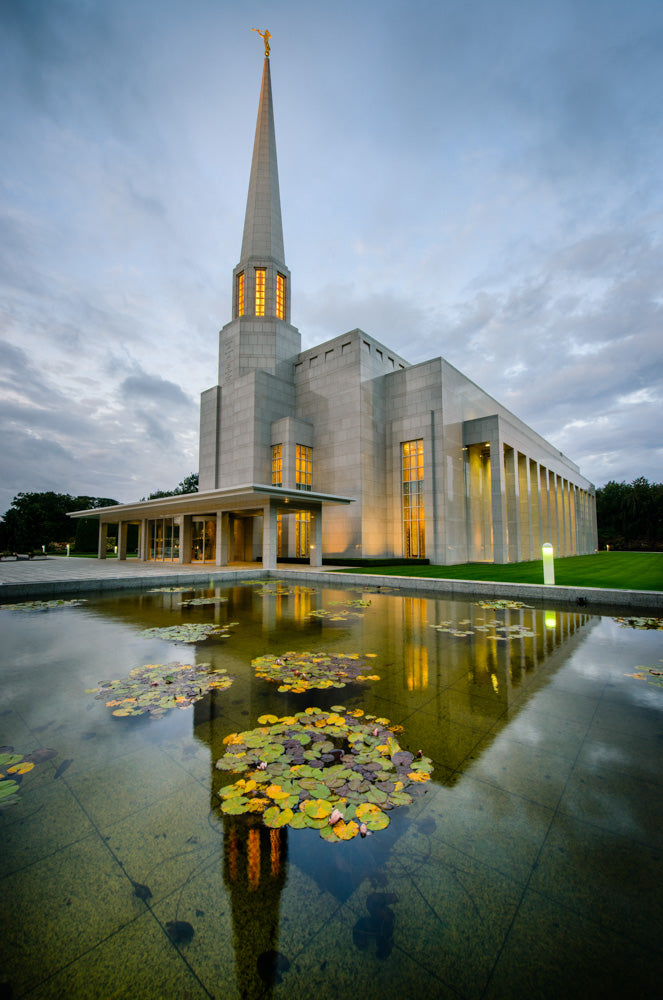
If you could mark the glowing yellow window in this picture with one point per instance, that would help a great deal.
(303, 464)
(260, 291)
(414, 522)
(240, 294)
(277, 465)
(280, 296)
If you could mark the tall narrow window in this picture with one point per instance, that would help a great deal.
(280, 296)
(303, 467)
(277, 465)
(303, 534)
(414, 524)
(240, 294)
(260, 291)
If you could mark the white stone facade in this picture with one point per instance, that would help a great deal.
(493, 489)
(482, 487)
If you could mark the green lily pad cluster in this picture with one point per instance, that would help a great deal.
(501, 632)
(643, 623)
(157, 687)
(199, 601)
(299, 672)
(358, 603)
(653, 674)
(189, 632)
(283, 590)
(44, 605)
(503, 605)
(13, 766)
(338, 771)
(337, 615)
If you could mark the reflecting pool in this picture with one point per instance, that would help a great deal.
(506, 761)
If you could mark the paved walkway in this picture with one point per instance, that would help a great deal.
(57, 575)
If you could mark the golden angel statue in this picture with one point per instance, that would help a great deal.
(265, 35)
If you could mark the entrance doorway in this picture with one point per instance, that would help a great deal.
(203, 539)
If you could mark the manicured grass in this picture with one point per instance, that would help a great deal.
(618, 570)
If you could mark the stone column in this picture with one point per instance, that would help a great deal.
(512, 504)
(186, 532)
(498, 501)
(535, 508)
(315, 551)
(222, 538)
(103, 536)
(269, 536)
(122, 529)
(524, 494)
(143, 539)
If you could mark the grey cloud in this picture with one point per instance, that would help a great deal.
(154, 389)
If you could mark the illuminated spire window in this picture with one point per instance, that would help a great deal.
(240, 294)
(260, 291)
(280, 296)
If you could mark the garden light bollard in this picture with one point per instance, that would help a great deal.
(548, 565)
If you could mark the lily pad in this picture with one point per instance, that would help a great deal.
(157, 687)
(299, 672)
(502, 605)
(640, 623)
(201, 601)
(653, 674)
(44, 605)
(341, 793)
(189, 632)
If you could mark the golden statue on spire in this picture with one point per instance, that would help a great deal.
(265, 35)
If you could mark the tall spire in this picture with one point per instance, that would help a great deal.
(263, 232)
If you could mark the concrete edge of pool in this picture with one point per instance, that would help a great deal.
(56, 576)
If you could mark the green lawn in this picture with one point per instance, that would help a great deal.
(619, 570)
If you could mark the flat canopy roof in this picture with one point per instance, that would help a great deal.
(238, 498)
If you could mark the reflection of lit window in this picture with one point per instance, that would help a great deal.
(303, 534)
(280, 296)
(303, 467)
(415, 649)
(240, 294)
(277, 465)
(260, 291)
(414, 525)
(416, 667)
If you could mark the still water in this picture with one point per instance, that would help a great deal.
(529, 865)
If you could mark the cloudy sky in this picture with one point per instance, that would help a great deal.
(480, 179)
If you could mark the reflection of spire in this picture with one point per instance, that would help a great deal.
(255, 872)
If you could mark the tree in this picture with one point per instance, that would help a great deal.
(188, 485)
(36, 519)
(630, 515)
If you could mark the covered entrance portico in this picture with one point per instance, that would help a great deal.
(217, 527)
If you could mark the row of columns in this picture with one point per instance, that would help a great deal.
(542, 506)
(515, 504)
(222, 551)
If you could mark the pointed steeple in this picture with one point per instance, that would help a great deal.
(263, 231)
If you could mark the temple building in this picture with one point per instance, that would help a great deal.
(346, 450)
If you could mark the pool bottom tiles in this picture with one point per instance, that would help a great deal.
(528, 865)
